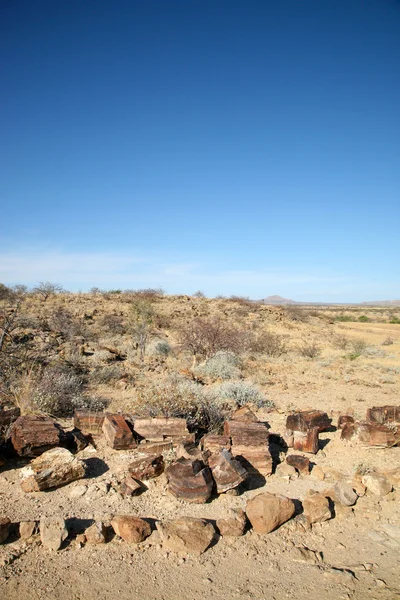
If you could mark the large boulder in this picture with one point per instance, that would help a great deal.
(268, 511)
(186, 535)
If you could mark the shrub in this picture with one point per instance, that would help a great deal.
(223, 365)
(341, 341)
(388, 341)
(240, 392)
(395, 321)
(159, 348)
(113, 324)
(169, 395)
(205, 337)
(296, 313)
(45, 289)
(268, 343)
(363, 319)
(107, 374)
(344, 318)
(358, 345)
(310, 349)
(61, 321)
(56, 391)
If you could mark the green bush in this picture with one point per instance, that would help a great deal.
(363, 319)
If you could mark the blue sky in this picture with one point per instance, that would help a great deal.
(235, 147)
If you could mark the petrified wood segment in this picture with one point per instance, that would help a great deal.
(52, 469)
(244, 413)
(306, 442)
(117, 433)
(89, 422)
(189, 481)
(373, 434)
(214, 443)
(383, 414)
(308, 419)
(32, 435)
(250, 445)
(160, 428)
(227, 472)
(301, 463)
(147, 467)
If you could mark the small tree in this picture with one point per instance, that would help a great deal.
(205, 337)
(45, 289)
(141, 320)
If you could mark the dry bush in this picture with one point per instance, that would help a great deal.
(388, 341)
(113, 324)
(205, 337)
(310, 349)
(223, 365)
(269, 343)
(62, 322)
(341, 341)
(296, 313)
(358, 346)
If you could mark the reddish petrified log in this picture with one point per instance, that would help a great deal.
(189, 480)
(147, 467)
(306, 441)
(117, 433)
(32, 435)
(161, 428)
(300, 463)
(227, 472)
(89, 422)
(308, 419)
(250, 445)
(383, 414)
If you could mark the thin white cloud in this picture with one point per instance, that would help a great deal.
(129, 270)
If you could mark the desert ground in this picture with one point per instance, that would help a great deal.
(132, 353)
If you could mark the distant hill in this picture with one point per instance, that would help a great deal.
(382, 303)
(277, 300)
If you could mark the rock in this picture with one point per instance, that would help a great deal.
(117, 433)
(186, 535)
(96, 533)
(215, 443)
(377, 484)
(372, 434)
(4, 528)
(227, 472)
(286, 471)
(148, 466)
(267, 511)
(78, 491)
(306, 442)
(190, 450)
(89, 422)
(358, 485)
(305, 555)
(189, 480)
(244, 413)
(155, 447)
(32, 435)
(344, 493)
(250, 444)
(160, 428)
(74, 441)
(383, 414)
(308, 419)
(318, 472)
(393, 475)
(52, 533)
(130, 487)
(52, 469)
(234, 525)
(131, 529)
(27, 529)
(316, 508)
(80, 540)
(345, 420)
(343, 576)
(300, 463)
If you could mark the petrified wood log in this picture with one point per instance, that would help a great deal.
(301, 463)
(189, 481)
(89, 422)
(373, 434)
(161, 428)
(117, 433)
(155, 447)
(250, 445)
(227, 472)
(308, 419)
(383, 414)
(306, 441)
(53, 468)
(213, 442)
(32, 435)
(147, 467)
(343, 420)
(244, 413)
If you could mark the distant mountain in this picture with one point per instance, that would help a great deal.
(277, 300)
(382, 303)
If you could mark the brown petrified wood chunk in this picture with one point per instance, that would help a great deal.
(308, 419)
(5, 524)
(244, 413)
(32, 435)
(130, 487)
(215, 443)
(89, 422)
(117, 433)
(306, 441)
(189, 480)
(227, 472)
(344, 420)
(383, 414)
(148, 466)
(52, 469)
(250, 444)
(161, 428)
(372, 434)
(155, 447)
(301, 463)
